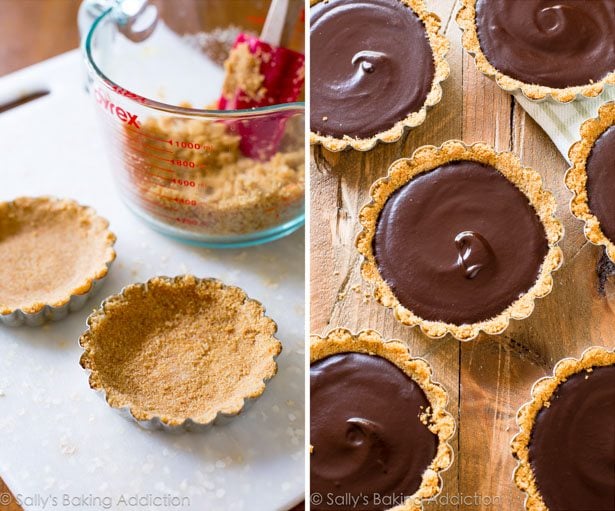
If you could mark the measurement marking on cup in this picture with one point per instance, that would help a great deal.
(146, 177)
(146, 135)
(160, 168)
(164, 178)
(189, 221)
(183, 182)
(180, 144)
(156, 205)
(184, 163)
(178, 200)
(149, 155)
(151, 146)
(186, 144)
(155, 210)
(162, 149)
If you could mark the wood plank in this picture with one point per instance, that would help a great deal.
(339, 188)
(490, 378)
(497, 373)
(7, 499)
(35, 30)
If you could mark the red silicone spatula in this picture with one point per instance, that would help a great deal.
(282, 72)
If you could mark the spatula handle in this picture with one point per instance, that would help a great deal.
(274, 24)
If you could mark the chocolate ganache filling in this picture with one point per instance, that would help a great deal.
(459, 243)
(572, 447)
(368, 438)
(600, 169)
(555, 43)
(371, 66)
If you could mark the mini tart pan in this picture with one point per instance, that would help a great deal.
(28, 222)
(427, 158)
(158, 348)
(466, 19)
(541, 394)
(439, 46)
(576, 176)
(440, 422)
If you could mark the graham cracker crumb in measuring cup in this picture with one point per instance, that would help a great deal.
(213, 187)
(243, 74)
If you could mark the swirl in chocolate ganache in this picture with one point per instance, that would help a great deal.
(557, 44)
(572, 448)
(371, 66)
(459, 243)
(366, 430)
(473, 253)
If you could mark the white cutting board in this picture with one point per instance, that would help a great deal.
(57, 437)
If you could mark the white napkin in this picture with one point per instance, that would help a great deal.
(561, 121)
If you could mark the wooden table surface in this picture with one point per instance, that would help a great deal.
(488, 379)
(32, 31)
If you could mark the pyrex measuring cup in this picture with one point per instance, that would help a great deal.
(154, 70)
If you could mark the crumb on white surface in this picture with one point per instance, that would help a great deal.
(67, 447)
(271, 283)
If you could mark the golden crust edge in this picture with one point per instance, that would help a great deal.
(541, 392)
(439, 46)
(576, 176)
(426, 158)
(465, 18)
(88, 281)
(117, 403)
(342, 340)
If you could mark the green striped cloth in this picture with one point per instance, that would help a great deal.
(562, 121)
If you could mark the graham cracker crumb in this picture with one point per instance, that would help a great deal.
(576, 181)
(214, 188)
(438, 420)
(180, 348)
(439, 46)
(542, 391)
(466, 19)
(50, 249)
(243, 74)
(424, 159)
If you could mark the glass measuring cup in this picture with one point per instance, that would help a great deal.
(211, 177)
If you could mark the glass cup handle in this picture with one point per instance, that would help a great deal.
(136, 19)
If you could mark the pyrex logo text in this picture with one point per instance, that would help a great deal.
(126, 117)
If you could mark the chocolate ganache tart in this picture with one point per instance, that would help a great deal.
(379, 427)
(561, 49)
(592, 178)
(459, 239)
(566, 443)
(376, 66)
